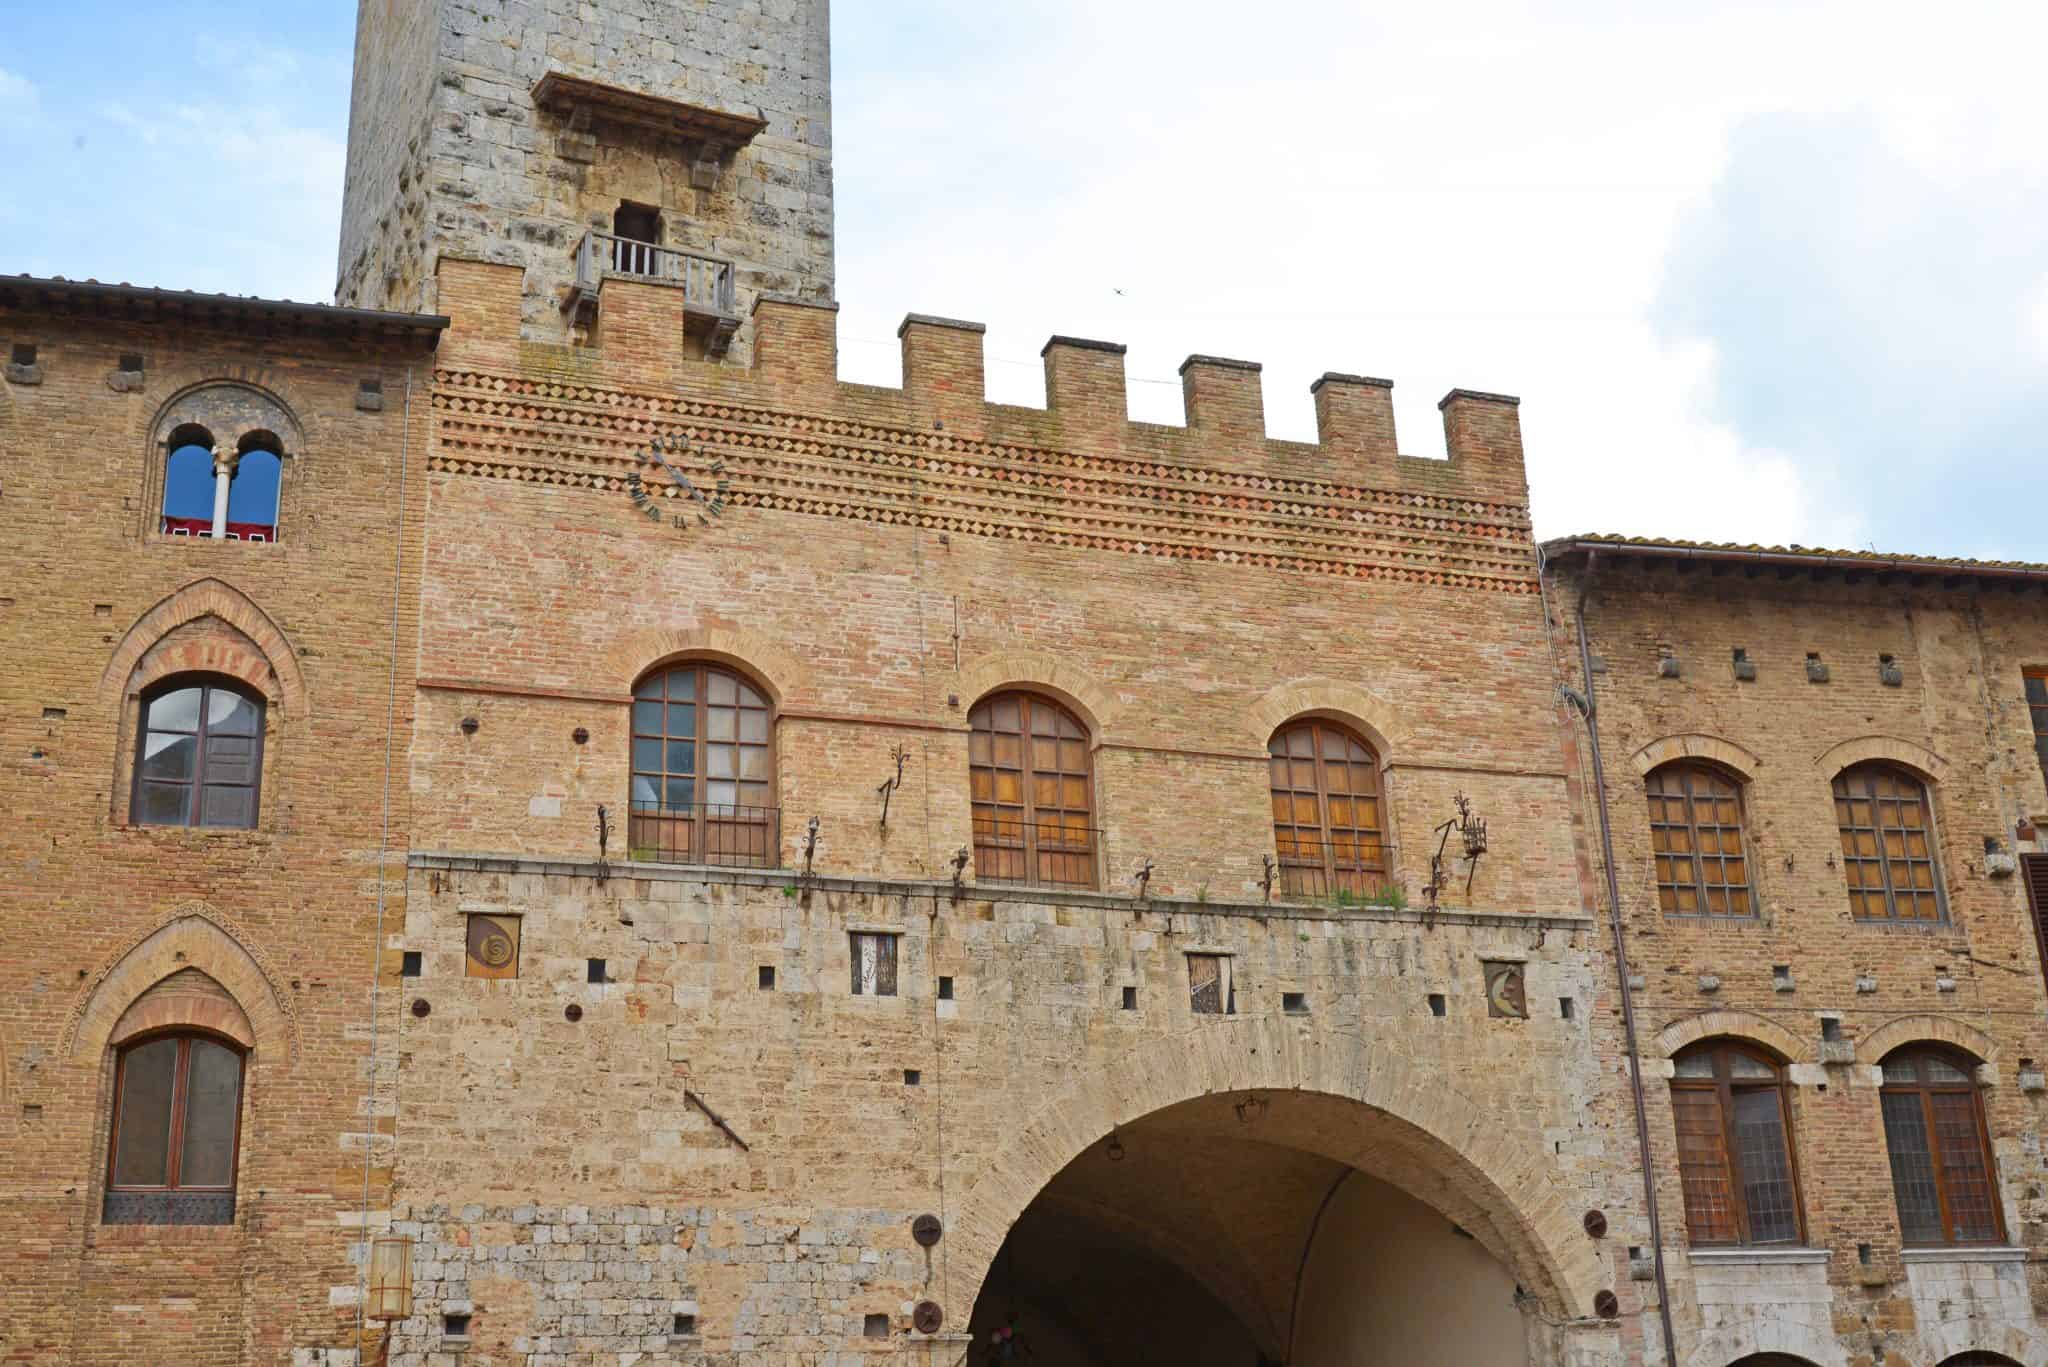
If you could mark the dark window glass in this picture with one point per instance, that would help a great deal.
(703, 770)
(1734, 1146)
(1887, 844)
(1028, 774)
(1326, 811)
(1940, 1154)
(199, 758)
(2037, 709)
(177, 1113)
(1696, 838)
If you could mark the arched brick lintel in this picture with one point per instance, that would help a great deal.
(194, 936)
(1918, 758)
(1365, 711)
(1503, 1179)
(1696, 745)
(155, 1011)
(203, 598)
(1038, 672)
(786, 678)
(1725, 1023)
(1901, 1030)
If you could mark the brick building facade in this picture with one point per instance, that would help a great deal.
(565, 781)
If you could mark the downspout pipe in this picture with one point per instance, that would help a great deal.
(1591, 711)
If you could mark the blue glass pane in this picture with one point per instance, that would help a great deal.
(188, 483)
(252, 497)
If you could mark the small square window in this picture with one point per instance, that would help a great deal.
(493, 946)
(766, 978)
(875, 1327)
(1130, 999)
(409, 966)
(24, 353)
(131, 363)
(683, 1326)
(912, 1077)
(945, 989)
(1437, 1006)
(1565, 1009)
(1210, 990)
(874, 963)
(1294, 1003)
(455, 1326)
(594, 971)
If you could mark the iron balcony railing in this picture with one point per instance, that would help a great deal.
(712, 833)
(1048, 853)
(706, 281)
(1340, 871)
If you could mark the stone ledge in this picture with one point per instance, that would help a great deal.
(778, 879)
(1756, 1257)
(1924, 1256)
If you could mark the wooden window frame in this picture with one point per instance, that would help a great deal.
(175, 1139)
(1362, 876)
(1226, 983)
(756, 828)
(1869, 770)
(1926, 1091)
(1029, 846)
(2034, 874)
(2037, 712)
(1685, 772)
(208, 684)
(889, 948)
(1723, 1086)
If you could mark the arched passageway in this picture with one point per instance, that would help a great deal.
(1220, 1232)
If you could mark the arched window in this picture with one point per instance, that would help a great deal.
(703, 770)
(1696, 835)
(1326, 811)
(192, 484)
(1028, 772)
(1887, 844)
(177, 1120)
(1940, 1150)
(199, 755)
(1734, 1145)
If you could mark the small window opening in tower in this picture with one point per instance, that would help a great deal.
(638, 230)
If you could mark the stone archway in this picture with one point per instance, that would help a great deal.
(1299, 1120)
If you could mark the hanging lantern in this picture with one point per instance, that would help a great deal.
(390, 1279)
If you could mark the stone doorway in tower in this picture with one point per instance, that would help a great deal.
(1221, 1232)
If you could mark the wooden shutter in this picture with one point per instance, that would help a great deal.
(2035, 869)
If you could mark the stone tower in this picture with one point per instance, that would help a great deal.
(683, 141)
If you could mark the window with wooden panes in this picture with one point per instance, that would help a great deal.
(703, 770)
(2037, 710)
(1028, 771)
(199, 755)
(1940, 1151)
(1696, 840)
(176, 1125)
(1887, 827)
(1326, 811)
(1734, 1146)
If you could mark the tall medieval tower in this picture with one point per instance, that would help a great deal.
(683, 141)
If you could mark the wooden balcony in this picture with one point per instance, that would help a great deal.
(709, 309)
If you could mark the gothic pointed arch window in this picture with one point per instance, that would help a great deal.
(1030, 781)
(1731, 1105)
(199, 754)
(1328, 820)
(1940, 1148)
(1696, 838)
(1887, 829)
(703, 783)
(172, 1148)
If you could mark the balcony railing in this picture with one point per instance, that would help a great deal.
(1047, 854)
(1341, 871)
(707, 282)
(715, 834)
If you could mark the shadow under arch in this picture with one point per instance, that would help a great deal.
(1348, 1103)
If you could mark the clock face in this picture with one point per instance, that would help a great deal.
(668, 497)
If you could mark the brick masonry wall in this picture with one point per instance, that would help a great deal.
(95, 910)
(1975, 980)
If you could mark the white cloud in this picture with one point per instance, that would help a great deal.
(18, 95)
(1476, 193)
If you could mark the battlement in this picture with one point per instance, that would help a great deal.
(644, 343)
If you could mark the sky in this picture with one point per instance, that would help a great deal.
(1762, 272)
